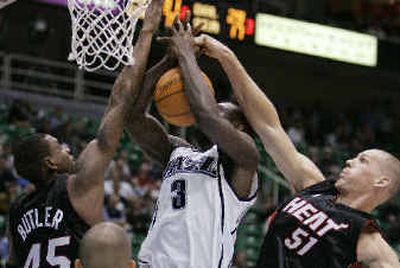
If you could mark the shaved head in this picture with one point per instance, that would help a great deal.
(369, 179)
(390, 167)
(106, 245)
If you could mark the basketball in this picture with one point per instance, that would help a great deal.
(171, 101)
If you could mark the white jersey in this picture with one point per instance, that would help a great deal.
(197, 214)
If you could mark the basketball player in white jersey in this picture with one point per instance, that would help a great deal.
(205, 191)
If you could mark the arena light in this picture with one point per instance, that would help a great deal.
(316, 40)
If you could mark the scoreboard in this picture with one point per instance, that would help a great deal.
(243, 21)
(227, 19)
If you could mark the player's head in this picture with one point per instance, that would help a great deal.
(106, 245)
(39, 156)
(374, 173)
(234, 114)
(230, 112)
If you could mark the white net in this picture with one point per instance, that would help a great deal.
(102, 32)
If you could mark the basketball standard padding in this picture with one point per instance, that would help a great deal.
(171, 101)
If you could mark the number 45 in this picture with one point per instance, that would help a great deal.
(33, 259)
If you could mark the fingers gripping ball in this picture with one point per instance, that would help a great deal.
(171, 101)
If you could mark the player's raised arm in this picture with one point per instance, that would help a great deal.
(236, 144)
(146, 130)
(263, 117)
(86, 187)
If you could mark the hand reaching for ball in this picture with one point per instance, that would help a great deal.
(211, 46)
(182, 37)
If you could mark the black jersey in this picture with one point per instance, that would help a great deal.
(45, 228)
(311, 230)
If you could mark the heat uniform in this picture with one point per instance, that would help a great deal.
(45, 228)
(311, 230)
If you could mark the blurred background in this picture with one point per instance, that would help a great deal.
(337, 93)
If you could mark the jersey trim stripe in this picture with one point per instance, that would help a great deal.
(190, 171)
(221, 195)
(222, 257)
(281, 254)
(143, 262)
(251, 197)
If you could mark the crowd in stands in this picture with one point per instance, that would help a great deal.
(329, 137)
(132, 182)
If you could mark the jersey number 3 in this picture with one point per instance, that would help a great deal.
(33, 259)
(178, 194)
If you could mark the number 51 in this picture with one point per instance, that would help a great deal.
(298, 236)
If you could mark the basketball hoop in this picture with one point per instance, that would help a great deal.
(4, 3)
(102, 32)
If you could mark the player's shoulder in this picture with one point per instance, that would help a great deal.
(178, 142)
(19, 201)
(372, 247)
(180, 145)
(54, 188)
(325, 187)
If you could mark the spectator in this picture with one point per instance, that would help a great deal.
(114, 210)
(57, 118)
(122, 163)
(116, 185)
(20, 114)
(143, 181)
(7, 180)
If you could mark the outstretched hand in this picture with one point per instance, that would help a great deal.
(210, 46)
(182, 37)
(153, 16)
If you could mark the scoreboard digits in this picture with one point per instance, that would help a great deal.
(171, 9)
(215, 19)
(236, 18)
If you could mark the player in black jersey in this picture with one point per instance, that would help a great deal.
(326, 223)
(45, 226)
